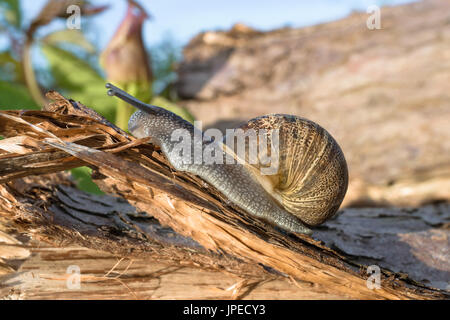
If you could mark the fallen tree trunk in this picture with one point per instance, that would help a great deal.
(389, 87)
(205, 231)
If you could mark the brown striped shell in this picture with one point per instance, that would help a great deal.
(312, 175)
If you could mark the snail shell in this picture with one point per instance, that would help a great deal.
(312, 176)
(307, 188)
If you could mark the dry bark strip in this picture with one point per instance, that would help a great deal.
(68, 135)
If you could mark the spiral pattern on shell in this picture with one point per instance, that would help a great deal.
(305, 186)
(312, 176)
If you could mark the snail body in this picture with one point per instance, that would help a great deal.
(306, 189)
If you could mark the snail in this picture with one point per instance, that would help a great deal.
(306, 189)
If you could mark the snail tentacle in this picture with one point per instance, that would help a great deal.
(307, 188)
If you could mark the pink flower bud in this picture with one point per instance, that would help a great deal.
(125, 59)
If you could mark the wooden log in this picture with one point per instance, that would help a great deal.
(205, 230)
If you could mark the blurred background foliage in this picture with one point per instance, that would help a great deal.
(69, 63)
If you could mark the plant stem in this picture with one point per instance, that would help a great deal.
(29, 75)
(123, 114)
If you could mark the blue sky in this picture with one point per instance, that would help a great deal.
(184, 19)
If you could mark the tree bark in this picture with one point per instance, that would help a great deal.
(173, 223)
(383, 93)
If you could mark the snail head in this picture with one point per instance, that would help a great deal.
(139, 121)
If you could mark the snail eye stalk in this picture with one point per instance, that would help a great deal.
(119, 93)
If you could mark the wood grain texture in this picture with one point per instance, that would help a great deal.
(382, 94)
(221, 238)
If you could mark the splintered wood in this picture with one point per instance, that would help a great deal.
(181, 222)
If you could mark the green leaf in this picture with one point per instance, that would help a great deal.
(10, 68)
(15, 96)
(73, 36)
(79, 80)
(11, 12)
(82, 176)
